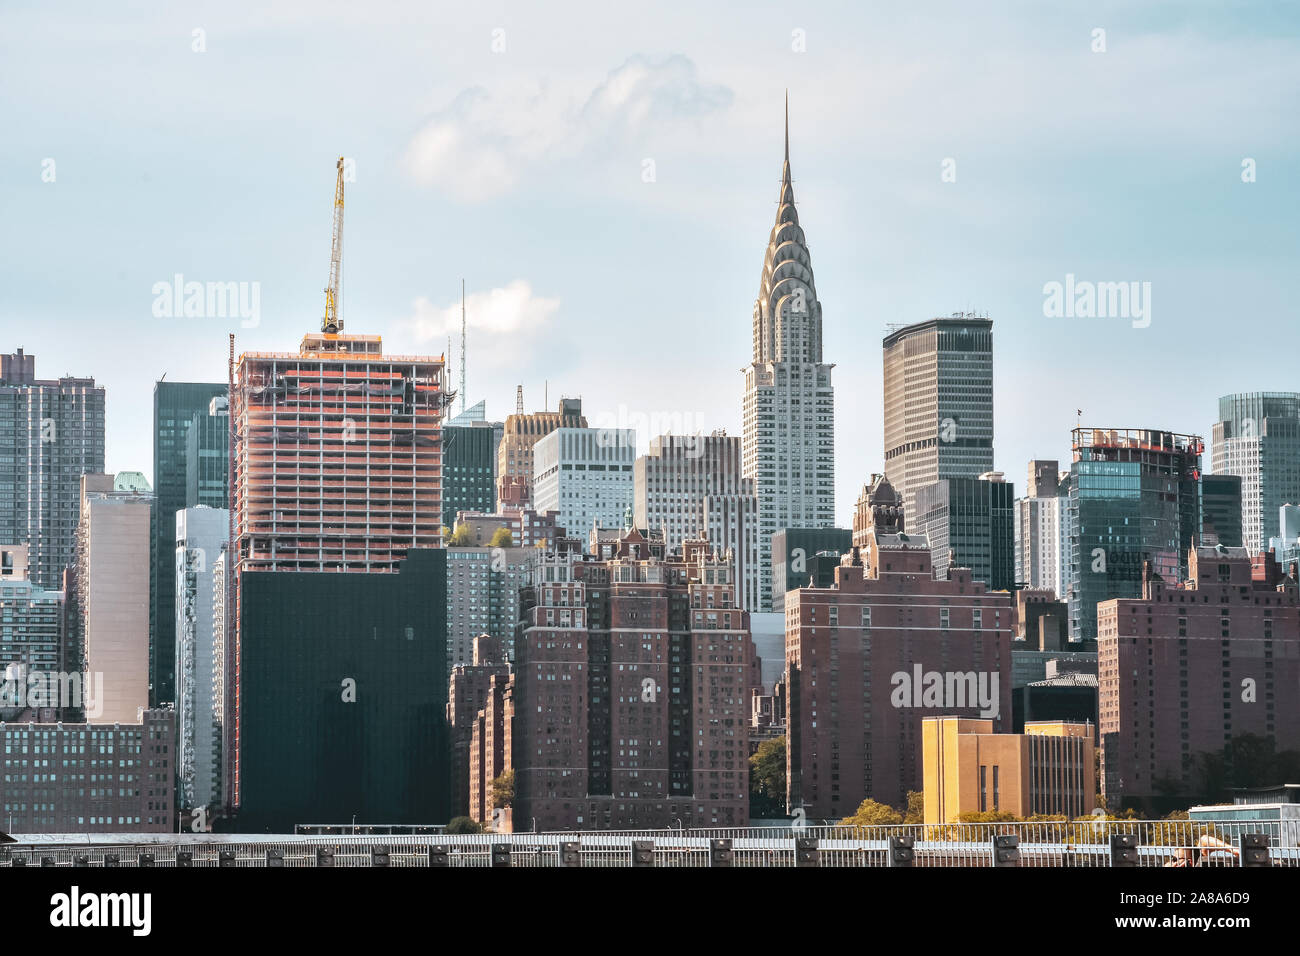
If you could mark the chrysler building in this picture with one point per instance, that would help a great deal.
(789, 429)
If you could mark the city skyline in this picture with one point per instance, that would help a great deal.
(1106, 199)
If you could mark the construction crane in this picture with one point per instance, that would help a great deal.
(333, 321)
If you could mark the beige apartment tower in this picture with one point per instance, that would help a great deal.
(113, 540)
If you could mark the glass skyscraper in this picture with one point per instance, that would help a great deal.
(1257, 436)
(176, 405)
(1134, 497)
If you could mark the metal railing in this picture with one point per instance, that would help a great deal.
(1042, 844)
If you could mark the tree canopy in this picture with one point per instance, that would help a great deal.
(767, 779)
(871, 813)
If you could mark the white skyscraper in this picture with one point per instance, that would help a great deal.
(692, 486)
(789, 426)
(586, 475)
(1257, 437)
(200, 534)
(1039, 531)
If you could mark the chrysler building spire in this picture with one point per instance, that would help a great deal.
(787, 315)
(789, 416)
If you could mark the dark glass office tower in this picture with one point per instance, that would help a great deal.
(468, 459)
(794, 553)
(1221, 508)
(1134, 497)
(175, 407)
(343, 684)
(971, 523)
(207, 457)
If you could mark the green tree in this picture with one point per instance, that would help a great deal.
(502, 538)
(915, 807)
(987, 816)
(459, 825)
(767, 779)
(873, 814)
(503, 789)
(460, 538)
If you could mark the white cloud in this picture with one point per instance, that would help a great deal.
(481, 145)
(501, 322)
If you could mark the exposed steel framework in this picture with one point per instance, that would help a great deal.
(338, 456)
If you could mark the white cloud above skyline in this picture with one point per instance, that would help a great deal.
(506, 322)
(485, 142)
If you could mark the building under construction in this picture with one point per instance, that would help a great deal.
(335, 674)
(337, 463)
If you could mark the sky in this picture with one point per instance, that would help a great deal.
(604, 177)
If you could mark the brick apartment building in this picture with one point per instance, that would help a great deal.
(467, 695)
(1185, 669)
(489, 749)
(870, 657)
(89, 778)
(631, 691)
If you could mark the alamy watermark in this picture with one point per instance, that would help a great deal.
(1098, 300)
(21, 687)
(179, 299)
(950, 690)
(686, 428)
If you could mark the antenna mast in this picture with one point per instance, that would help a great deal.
(333, 321)
(462, 345)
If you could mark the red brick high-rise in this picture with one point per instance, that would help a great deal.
(631, 691)
(872, 656)
(468, 690)
(1185, 669)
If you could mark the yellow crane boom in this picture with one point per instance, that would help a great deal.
(333, 321)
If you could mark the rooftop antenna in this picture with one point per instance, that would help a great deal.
(462, 345)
